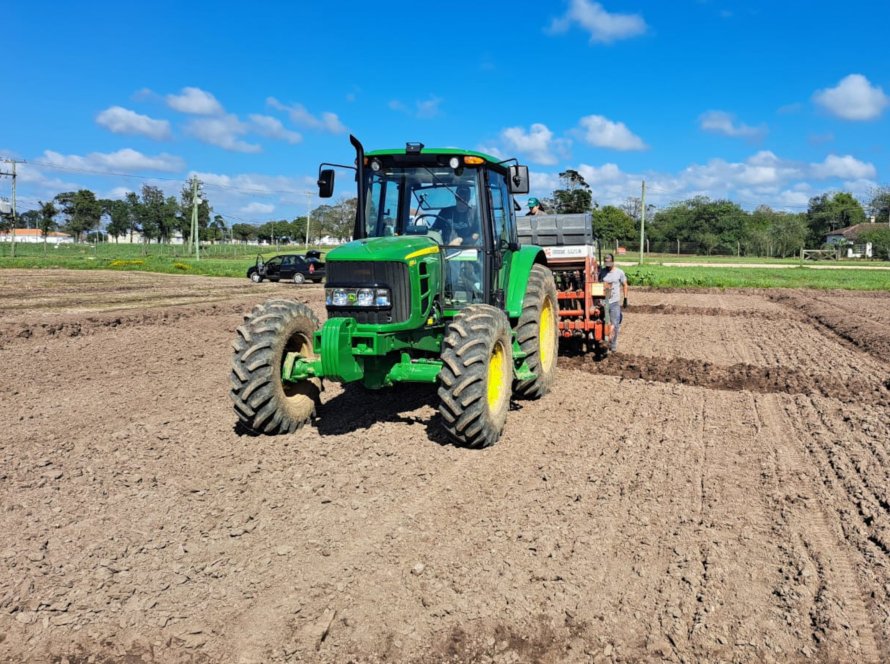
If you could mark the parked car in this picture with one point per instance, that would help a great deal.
(298, 268)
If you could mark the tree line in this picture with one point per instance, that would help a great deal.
(712, 226)
(722, 226)
(159, 218)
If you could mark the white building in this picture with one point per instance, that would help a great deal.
(34, 236)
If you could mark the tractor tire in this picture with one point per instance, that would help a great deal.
(476, 376)
(536, 333)
(264, 403)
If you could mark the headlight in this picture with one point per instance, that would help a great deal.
(357, 297)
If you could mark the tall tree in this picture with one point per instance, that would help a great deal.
(46, 221)
(82, 210)
(828, 213)
(788, 233)
(119, 218)
(879, 205)
(611, 223)
(29, 219)
(217, 229)
(244, 232)
(134, 213)
(574, 193)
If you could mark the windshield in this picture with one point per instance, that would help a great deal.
(420, 200)
(440, 203)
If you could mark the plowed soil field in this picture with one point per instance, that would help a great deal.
(718, 490)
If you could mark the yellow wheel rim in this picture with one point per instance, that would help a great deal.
(497, 382)
(547, 335)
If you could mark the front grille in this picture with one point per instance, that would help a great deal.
(354, 274)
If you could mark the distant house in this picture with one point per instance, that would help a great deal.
(848, 241)
(33, 235)
(136, 238)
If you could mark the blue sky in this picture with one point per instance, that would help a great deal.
(759, 102)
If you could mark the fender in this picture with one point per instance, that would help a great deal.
(520, 267)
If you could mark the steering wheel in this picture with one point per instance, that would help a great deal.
(420, 220)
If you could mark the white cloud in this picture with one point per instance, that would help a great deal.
(428, 108)
(720, 122)
(195, 101)
(422, 108)
(492, 150)
(257, 208)
(123, 160)
(120, 120)
(299, 115)
(843, 168)
(118, 192)
(604, 174)
(792, 199)
(222, 132)
(603, 133)
(762, 178)
(602, 26)
(537, 143)
(854, 98)
(270, 127)
(252, 184)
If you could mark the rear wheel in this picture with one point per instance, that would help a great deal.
(299, 278)
(264, 403)
(536, 333)
(476, 375)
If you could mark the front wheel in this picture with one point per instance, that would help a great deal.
(536, 333)
(256, 277)
(264, 403)
(476, 375)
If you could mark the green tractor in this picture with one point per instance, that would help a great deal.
(434, 288)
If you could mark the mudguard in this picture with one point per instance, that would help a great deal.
(520, 266)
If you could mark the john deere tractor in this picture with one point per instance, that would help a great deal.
(434, 288)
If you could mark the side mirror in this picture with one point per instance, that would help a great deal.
(326, 183)
(519, 180)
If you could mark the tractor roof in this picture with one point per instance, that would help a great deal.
(436, 151)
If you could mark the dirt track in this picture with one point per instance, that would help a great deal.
(719, 490)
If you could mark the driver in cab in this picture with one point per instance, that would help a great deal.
(459, 223)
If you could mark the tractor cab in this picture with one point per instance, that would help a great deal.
(460, 201)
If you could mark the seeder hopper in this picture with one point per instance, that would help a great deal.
(573, 255)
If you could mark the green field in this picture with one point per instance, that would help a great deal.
(233, 261)
(667, 259)
(666, 276)
(216, 260)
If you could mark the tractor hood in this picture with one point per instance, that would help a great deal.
(402, 249)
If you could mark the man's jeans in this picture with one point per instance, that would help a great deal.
(615, 314)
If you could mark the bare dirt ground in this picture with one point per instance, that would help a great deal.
(719, 490)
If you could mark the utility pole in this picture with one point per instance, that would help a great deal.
(12, 174)
(308, 215)
(195, 203)
(642, 221)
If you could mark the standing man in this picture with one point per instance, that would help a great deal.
(534, 207)
(616, 281)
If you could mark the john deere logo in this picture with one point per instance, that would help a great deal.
(351, 297)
